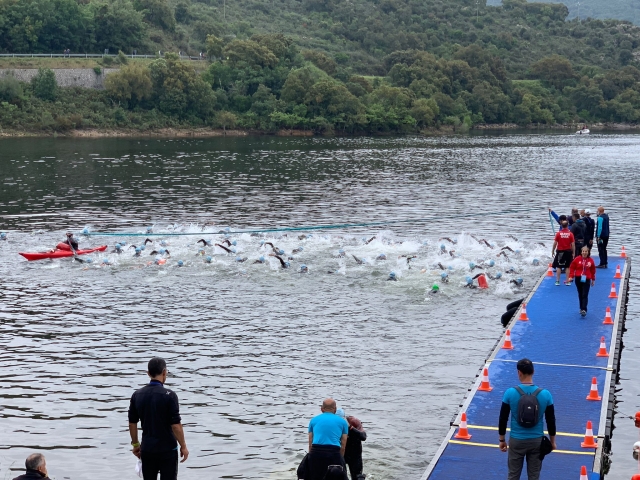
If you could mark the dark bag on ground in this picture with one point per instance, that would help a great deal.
(303, 467)
(528, 408)
(545, 447)
(335, 472)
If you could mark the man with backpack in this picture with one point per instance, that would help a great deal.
(527, 404)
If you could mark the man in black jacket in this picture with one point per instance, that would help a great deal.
(156, 407)
(36, 468)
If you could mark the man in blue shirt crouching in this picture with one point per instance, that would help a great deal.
(327, 442)
(527, 404)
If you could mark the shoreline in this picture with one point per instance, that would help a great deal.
(216, 132)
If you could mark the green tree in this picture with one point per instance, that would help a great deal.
(425, 111)
(214, 46)
(179, 90)
(157, 12)
(554, 70)
(249, 53)
(118, 26)
(321, 60)
(297, 85)
(10, 89)
(226, 120)
(44, 84)
(130, 85)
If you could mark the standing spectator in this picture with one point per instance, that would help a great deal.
(559, 218)
(579, 230)
(36, 466)
(327, 441)
(591, 228)
(583, 269)
(602, 237)
(156, 407)
(563, 250)
(353, 451)
(527, 404)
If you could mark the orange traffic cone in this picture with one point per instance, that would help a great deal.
(583, 473)
(593, 394)
(613, 293)
(550, 271)
(588, 437)
(484, 384)
(607, 317)
(482, 282)
(523, 313)
(507, 341)
(463, 433)
(618, 274)
(623, 254)
(603, 349)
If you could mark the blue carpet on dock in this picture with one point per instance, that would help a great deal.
(563, 347)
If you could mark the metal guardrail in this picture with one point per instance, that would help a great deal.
(87, 55)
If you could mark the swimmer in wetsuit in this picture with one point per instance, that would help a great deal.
(228, 250)
(297, 250)
(370, 240)
(359, 261)
(117, 248)
(282, 262)
(503, 254)
(486, 243)
(162, 251)
(205, 243)
(449, 240)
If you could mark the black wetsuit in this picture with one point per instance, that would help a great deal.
(157, 408)
(353, 451)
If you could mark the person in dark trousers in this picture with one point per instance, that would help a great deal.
(583, 269)
(353, 451)
(36, 466)
(579, 230)
(563, 250)
(591, 228)
(602, 237)
(327, 442)
(156, 407)
(525, 440)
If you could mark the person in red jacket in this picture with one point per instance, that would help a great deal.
(583, 269)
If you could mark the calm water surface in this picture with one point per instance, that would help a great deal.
(252, 348)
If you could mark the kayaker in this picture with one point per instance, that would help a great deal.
(71, 241)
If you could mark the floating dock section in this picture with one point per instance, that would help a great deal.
(563, 347)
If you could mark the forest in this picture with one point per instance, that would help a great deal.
(348, 67)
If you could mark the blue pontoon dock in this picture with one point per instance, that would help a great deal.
(563, 347)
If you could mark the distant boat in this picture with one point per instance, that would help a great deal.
(583, 131)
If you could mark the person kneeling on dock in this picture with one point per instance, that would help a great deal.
(583, 269)
(527, 404)
(327, 442)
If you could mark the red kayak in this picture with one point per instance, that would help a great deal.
(60, 253)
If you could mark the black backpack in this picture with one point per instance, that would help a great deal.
(528, 408)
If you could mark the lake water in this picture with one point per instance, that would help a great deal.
(253, 348)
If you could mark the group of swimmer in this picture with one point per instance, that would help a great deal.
(483, 268)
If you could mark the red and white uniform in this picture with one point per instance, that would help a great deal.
(564, 238)
(583, 266)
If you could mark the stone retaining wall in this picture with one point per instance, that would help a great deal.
(66, 77)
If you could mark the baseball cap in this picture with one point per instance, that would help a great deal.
(340, 412)
(587, 212)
